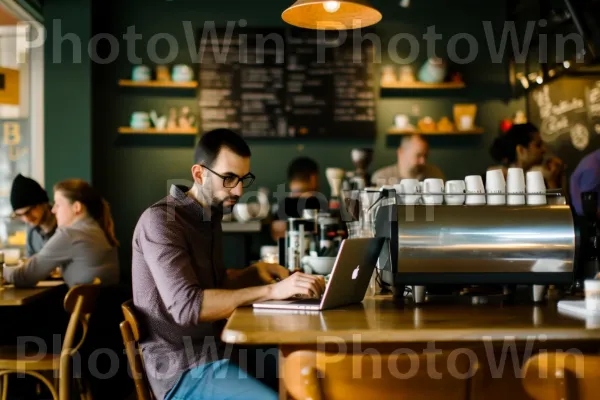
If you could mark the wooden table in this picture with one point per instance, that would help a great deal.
(12, 296)
(378, 323)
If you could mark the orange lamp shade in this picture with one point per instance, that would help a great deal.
(331, 15)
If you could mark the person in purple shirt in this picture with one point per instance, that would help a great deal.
(181, 289)
(585, 178)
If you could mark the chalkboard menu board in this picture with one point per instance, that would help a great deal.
(285, 83)
(567, 112)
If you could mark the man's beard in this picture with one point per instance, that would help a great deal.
(417, 170)
(218, 203)
(221, 206)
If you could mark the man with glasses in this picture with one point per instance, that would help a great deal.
(30, 204)
(183, 292)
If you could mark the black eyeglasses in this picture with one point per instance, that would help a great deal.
(231, 181)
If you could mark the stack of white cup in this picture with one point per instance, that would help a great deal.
(455, 193)
(471, 191)
(408, 191)
(475, 190)
(515, 187)
(536, 188)
(433, 191)
(495, 186)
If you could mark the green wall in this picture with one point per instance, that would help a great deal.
(68, 91)
(135, 172)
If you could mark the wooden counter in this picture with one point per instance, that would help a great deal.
(500, 336)
(380, 320)
(11, 296)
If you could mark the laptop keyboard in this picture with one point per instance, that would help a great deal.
(306, 301)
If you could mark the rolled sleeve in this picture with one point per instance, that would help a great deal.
(163, 245)
(55, 253)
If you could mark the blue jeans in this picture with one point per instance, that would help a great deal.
(219, 380)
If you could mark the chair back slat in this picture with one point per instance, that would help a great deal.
(131, 336)
(329, 376)
(79, 301)
(562, 375)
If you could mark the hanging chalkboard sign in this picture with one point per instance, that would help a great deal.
(567, 112)
(286, 83)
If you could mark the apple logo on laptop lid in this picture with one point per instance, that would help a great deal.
(355, 272)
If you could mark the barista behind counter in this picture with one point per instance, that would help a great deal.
(303, 182)
(412, 163)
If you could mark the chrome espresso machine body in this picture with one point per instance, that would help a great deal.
(476, 245)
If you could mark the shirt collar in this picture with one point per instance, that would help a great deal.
(179, 193)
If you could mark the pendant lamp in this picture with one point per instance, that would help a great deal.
(331, 15)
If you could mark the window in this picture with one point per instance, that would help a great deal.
(21, 115)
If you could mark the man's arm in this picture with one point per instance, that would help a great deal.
(258, 274)
(56, 252)
(163, 245)
(220, 303)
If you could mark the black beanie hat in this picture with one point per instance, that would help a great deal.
(26, 192)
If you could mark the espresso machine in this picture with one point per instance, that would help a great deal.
(465, 246)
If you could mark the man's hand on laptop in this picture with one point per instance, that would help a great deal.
(270, 273)
(298, 284)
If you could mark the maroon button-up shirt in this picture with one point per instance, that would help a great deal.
(177, 254)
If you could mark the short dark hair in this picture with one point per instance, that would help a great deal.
(302, 168)
(212, 142)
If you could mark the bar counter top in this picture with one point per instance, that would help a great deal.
(379, 319)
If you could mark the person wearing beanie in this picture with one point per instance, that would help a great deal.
(84, 246)
(31, 205)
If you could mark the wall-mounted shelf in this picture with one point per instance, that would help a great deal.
(177, 131)
(159, 84)
(393, 131)
(422, 85)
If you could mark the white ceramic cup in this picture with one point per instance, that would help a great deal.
(433, 191)
(455, 193)
(592, 294)
(399, 197)
(515, 187)
(536, 188)
(475, 190)
(411, 191)
(495, 187)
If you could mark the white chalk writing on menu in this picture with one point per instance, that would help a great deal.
(263, 89)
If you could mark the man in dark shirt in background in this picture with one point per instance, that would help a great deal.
(303, 181)
(181, 289)
(31, 205)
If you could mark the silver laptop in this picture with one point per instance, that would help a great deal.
(349, 280)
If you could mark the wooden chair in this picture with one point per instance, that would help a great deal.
(79, 302)
(565, 376)
(329, 376)
(130, 330)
